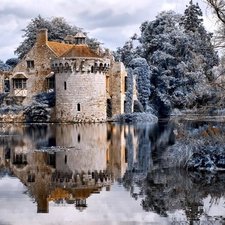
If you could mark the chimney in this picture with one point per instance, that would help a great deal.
(42, 36)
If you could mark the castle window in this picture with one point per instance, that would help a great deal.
(78, 107)
(30, 64)
(65, 159)
(65, 86)
(92, 69)
(19, 83)
(124, 105)
(51, 83)
(31, 178)
(6, 86)
(125, 84)
(78, 138)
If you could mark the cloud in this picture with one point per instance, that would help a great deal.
(112, 21)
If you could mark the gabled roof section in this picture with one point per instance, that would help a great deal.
(59, 48)
(80, 51)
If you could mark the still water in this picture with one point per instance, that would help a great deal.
(101, 174)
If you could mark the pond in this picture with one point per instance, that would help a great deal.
(101, 174)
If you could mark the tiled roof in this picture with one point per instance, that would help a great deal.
(70, 50)
(59, 48)
(80, 51)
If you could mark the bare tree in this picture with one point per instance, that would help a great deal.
(218, 7)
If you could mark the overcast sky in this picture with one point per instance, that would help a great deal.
(112, 22)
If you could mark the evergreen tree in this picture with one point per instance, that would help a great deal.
(201, 40)
(192, 18)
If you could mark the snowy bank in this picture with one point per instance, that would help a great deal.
(135, 117)
(197, 149)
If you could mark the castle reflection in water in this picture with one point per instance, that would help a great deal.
(68, 163)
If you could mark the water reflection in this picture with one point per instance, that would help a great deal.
(184, 197)
(67, 164)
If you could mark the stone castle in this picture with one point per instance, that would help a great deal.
(89, 85)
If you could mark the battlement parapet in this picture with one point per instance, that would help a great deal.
(80, 65)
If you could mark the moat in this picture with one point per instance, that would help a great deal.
(103, 174)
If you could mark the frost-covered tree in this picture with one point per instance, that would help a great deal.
(180, 56)
(30, 35)
(57, 28)
(4, 66)
(129, 91)
(142, 72)
(192, 17)
(60, 28)
(200, 39)
(124, 54)
(12, 62)
(179, 61)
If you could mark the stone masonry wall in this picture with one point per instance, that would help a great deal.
(117, 75)
(36, 82)
(80, 87)
(2, 81)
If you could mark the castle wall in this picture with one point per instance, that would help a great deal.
(41, 55)
(80, 91)
(2, 81)
(117, 74)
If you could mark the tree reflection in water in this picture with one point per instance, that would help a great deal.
(66, 164)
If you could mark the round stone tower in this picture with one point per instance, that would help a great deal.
(80, 84)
